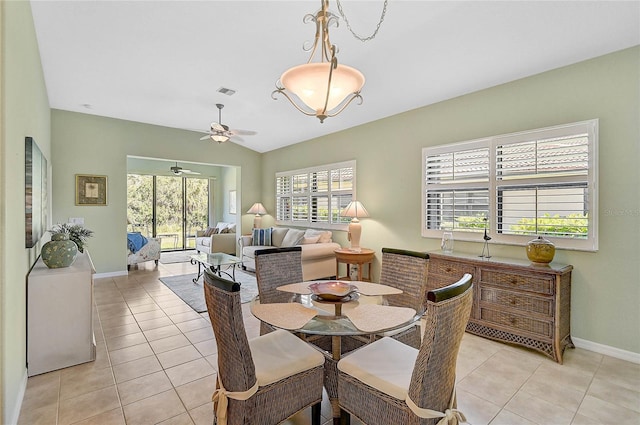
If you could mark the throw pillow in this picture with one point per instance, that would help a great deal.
(323, 235)
(262, 237)
(225, 230)
(307, 241)
(277, 235)
(210, 231)
(292, 238)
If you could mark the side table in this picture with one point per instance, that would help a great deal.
(362, 257)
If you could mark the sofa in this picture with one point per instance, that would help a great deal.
(149, 250)
(318, 256)
(221, 238)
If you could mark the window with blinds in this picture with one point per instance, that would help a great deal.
(539, 182)
(315, 196)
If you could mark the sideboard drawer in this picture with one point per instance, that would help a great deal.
(517, 301)
(540, 284)
(450, 268)
(533, 326)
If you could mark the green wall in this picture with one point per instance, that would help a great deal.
(88, 144)
(606, 284)
(25, 112)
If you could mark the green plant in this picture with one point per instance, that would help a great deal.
(76, 232)
(572, 225)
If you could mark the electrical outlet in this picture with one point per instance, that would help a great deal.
(77, 220)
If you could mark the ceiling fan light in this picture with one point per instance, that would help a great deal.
(309, 83)
(220, 138)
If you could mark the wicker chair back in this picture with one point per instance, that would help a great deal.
(235, 364)
(276, 267)
(405, 270)
(434, 373)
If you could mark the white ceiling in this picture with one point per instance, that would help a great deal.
(162, 62)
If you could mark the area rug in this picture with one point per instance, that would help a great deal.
(176, 256)
(193, 293)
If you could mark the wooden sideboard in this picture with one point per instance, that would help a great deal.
(514, 301)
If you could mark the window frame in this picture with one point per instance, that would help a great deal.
(331, 194)
(590, 127)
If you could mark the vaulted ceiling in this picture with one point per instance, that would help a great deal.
(162, 62)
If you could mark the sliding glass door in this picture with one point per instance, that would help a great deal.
(169, 211)
(172, 208)
(196, 202)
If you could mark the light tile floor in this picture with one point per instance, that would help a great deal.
(156, 364)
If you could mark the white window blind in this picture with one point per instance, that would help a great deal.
(315, 196)
(539, 182)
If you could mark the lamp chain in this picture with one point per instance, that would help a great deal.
(359, 37)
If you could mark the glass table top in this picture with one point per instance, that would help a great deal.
(216, 259)
(327, 323)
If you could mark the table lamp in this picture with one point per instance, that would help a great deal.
(355, 209)
(257, 209)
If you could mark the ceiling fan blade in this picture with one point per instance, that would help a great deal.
(190, 172)
(206, 137)
(235, 138)
(244, 132)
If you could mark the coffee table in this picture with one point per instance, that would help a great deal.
(215, 261)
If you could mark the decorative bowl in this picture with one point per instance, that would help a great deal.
(332, 290)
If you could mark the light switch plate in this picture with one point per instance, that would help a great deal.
(77, 220)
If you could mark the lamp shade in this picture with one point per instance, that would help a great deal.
(309, 82)
(257, 208)
(355, 209)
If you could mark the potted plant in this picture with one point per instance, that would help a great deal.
(76, 232)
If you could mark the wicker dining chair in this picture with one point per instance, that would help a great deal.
(276, 267)
(406, 270)
(388, 382)
(265, 380)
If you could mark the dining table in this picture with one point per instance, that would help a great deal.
(359, 315)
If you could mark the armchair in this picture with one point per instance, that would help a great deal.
(390, 382)
(217, 242)
(149, 252)
(265, 380)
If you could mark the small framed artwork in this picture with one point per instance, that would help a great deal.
(91, 190)
(232, 202)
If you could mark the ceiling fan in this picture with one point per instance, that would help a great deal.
(179, 170)
(221, 133)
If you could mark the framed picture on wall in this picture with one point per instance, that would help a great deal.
(91, 190)
(232, 202)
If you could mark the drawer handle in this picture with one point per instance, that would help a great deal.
(512, 301)
(514, 281)
(448, 269)
(513, 320)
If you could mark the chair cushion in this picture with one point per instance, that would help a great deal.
(280, 354)
(385, 365)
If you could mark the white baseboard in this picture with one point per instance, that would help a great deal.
(607, 350)
(110, 274)
(14, 413)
